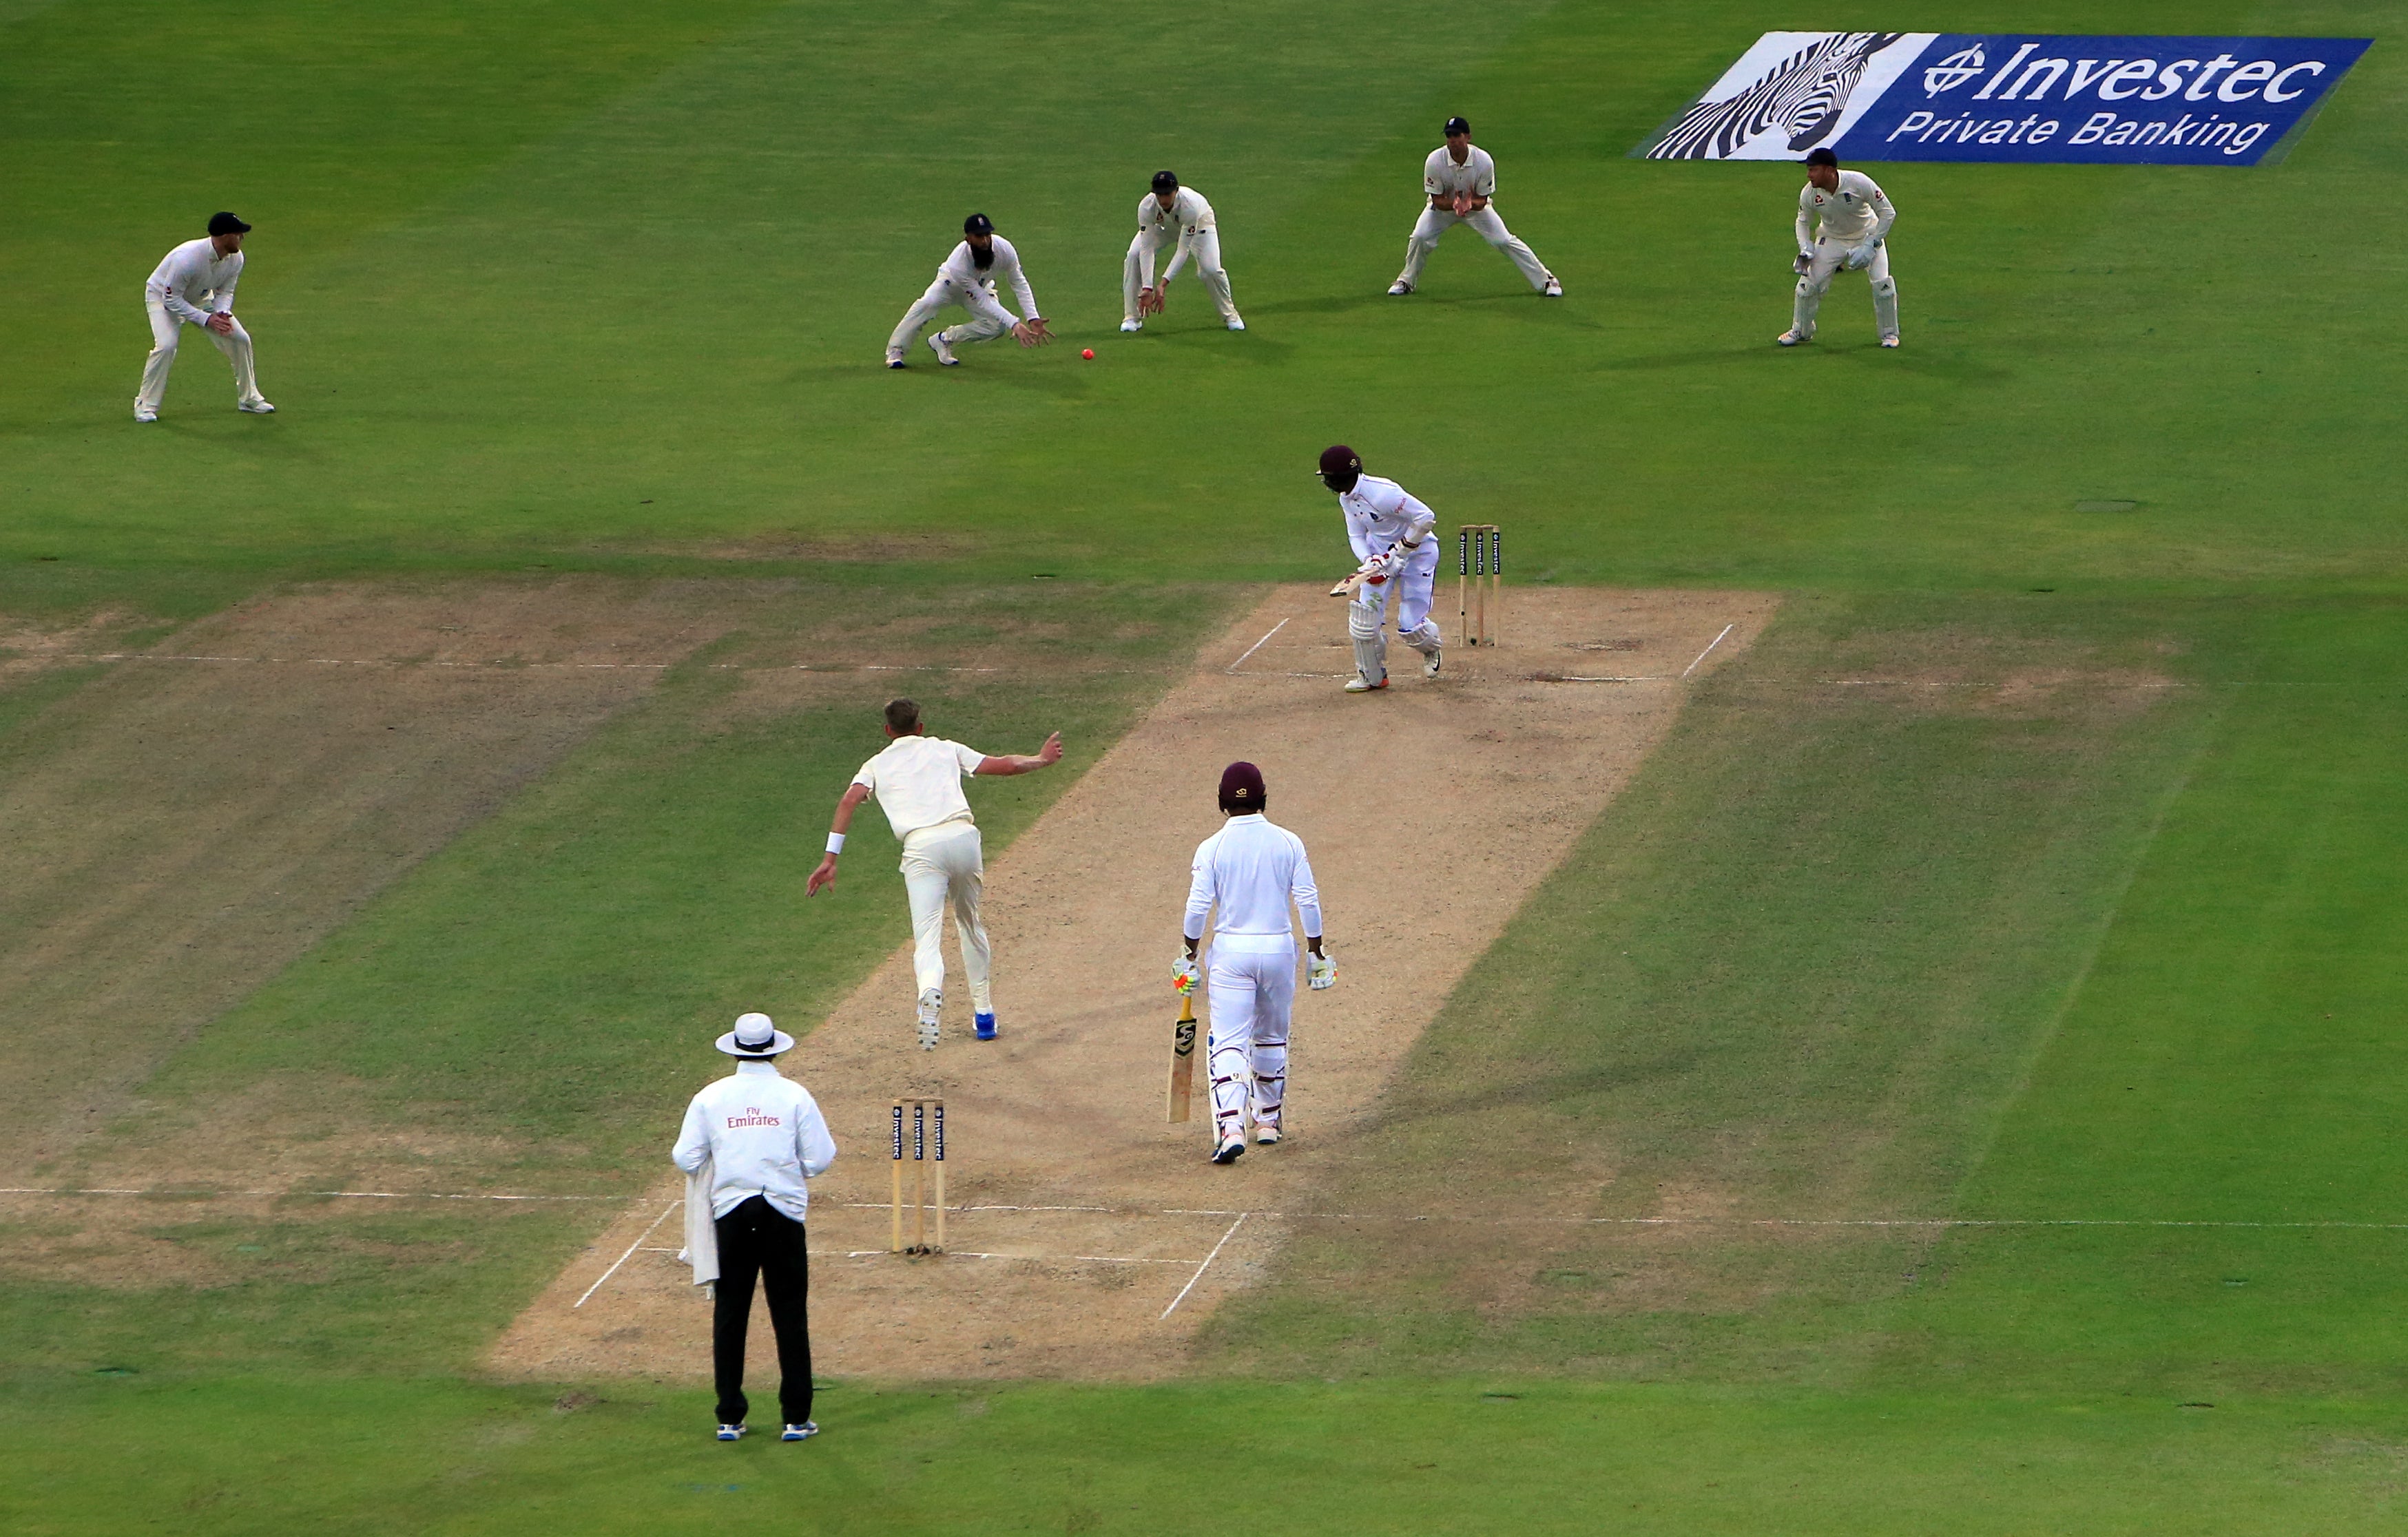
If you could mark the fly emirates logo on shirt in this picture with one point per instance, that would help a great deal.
(751, 1116)
(1926, 95)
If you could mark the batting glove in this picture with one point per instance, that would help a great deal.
(1184, 975)
(1320, 973)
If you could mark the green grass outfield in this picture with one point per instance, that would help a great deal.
(2102, 936)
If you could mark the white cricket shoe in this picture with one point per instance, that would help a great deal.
(1266, 1133)
(894, 359)
(1231, 1148)
(932, 1007)
(804, 1431)
(1358, 684)
(1554, 289)
(256, 407)
(734, 1432)
(1889, 341)
(944, 354)
(1236, 324)
(141, 415)
(1399, 288)
(1791, 338)
(1132, 325)
(1430, 663)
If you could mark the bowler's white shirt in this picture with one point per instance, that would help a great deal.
(962, 272)
(1252, 868)
(1854, 211)
(1380, 513)
(1443, 178)
(194, 282)
(764, 1135)
(918, 782)
(1188, 211)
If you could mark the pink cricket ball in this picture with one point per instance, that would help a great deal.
(1088, 353)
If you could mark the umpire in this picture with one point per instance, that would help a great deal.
(762, 1136)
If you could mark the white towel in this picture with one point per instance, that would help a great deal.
(701, 1232)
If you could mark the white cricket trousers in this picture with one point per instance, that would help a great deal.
(1488, 226)
(1367, 616)
(988, 318)
(940, 864)
(1816, 282)
(165, 331)
(1249, 995)
(1205, 246)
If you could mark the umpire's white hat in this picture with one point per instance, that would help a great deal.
(756, 1036)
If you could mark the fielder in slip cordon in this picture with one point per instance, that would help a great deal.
(1250, 871)
(968, 278)
(1173, 215)
(1459, 179)
(194, 285)
(1844, 224)
(918, 779)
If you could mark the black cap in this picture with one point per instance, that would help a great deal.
(978, 224)
(1164, 181)
(1337, 459)
(1458, 125)
(1822, 155)
(226, 223)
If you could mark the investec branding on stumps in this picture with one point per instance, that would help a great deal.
(1932, 95)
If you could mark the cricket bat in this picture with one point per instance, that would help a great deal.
(1182, 1058)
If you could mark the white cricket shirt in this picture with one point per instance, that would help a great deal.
(1380, 513)
(1443, 178)
(1853, 213)
(194, 282)
(1188, 211)
(764, 1135)
(962, 272)
(1252, 868)
(918, 782)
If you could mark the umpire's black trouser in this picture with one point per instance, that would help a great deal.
(758, 1239)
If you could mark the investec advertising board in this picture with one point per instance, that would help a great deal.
(1954, 95)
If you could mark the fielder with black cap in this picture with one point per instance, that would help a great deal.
(195, 286)
(1843, 222)
(1390, 530)
(968, 278)
(1460, 178)
(1251, 870)
(763, 1136)
(1168, 212)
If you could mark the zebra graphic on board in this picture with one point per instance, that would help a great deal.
(1805, 96)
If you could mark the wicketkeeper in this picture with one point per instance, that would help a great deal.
(1251, 870)
(1844, 224)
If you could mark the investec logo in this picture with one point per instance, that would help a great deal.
(2023, 79)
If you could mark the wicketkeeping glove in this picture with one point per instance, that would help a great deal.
(1860, 257)
(1320, 973)
(1184, 975)
(1804, 265)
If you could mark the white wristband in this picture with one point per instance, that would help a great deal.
(836, 843)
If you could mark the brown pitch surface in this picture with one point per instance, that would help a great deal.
(1431, 811)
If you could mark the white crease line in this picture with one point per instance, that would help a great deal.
(884, 1205)
(1205, 1266)
(1709, 648)
(631, 1249)
(1260, 643)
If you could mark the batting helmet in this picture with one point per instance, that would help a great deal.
(1341, 467)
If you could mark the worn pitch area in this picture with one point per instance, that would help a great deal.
(1081, 1224)
(182, 826)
